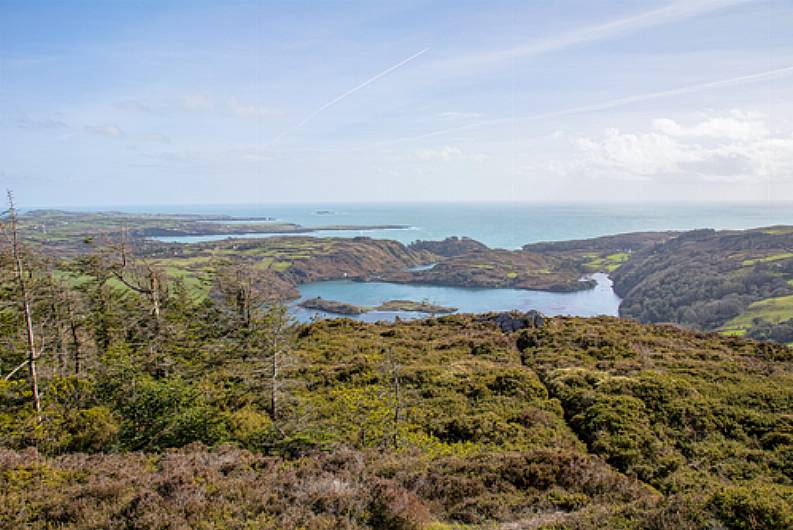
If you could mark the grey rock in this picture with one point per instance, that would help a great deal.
(514, 321)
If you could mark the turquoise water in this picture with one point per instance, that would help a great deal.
(505, 225)
(600, 300)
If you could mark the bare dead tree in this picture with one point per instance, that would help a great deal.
(138, 275)
(55, 310)
(66, 325)
(74, 326)
(240, 287)
(279, 337)
(20, 272)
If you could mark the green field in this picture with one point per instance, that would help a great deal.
(773, 310)
(608, 263)
(779, 230)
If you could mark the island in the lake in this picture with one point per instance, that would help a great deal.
(342, 308)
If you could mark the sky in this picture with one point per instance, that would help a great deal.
(198, 102)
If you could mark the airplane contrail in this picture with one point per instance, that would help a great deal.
(699, 87)
(675, 11)
(350, 92)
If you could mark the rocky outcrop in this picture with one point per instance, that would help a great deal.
(332, 306)
(512, 321)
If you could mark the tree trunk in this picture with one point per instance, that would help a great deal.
(154, 283)
(397, 410)
(274, 382)
(19, 272)
(76, 353)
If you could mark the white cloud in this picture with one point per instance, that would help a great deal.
(631, 155)
(110, 131)
(729, 148)
(724, 127)
(233, 105)
(249, 110)
(444, 153)
(440, 154)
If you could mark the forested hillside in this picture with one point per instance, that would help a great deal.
(740, 281)
(127, 402)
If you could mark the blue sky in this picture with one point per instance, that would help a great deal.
(112, 103)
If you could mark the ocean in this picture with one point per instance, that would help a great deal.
(503, 225)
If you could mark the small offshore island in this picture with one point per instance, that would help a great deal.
(341, 308)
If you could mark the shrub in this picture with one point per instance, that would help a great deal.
(755, 507)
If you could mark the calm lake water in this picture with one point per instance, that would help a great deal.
(600, 300)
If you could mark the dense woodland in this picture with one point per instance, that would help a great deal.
(126, 401)
(704, 278)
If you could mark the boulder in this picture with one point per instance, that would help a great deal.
(514, 321)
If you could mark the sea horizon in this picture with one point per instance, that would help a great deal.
(498, 225)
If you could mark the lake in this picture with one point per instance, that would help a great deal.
(600, 300)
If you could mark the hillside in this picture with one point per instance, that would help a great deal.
(736, 281)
